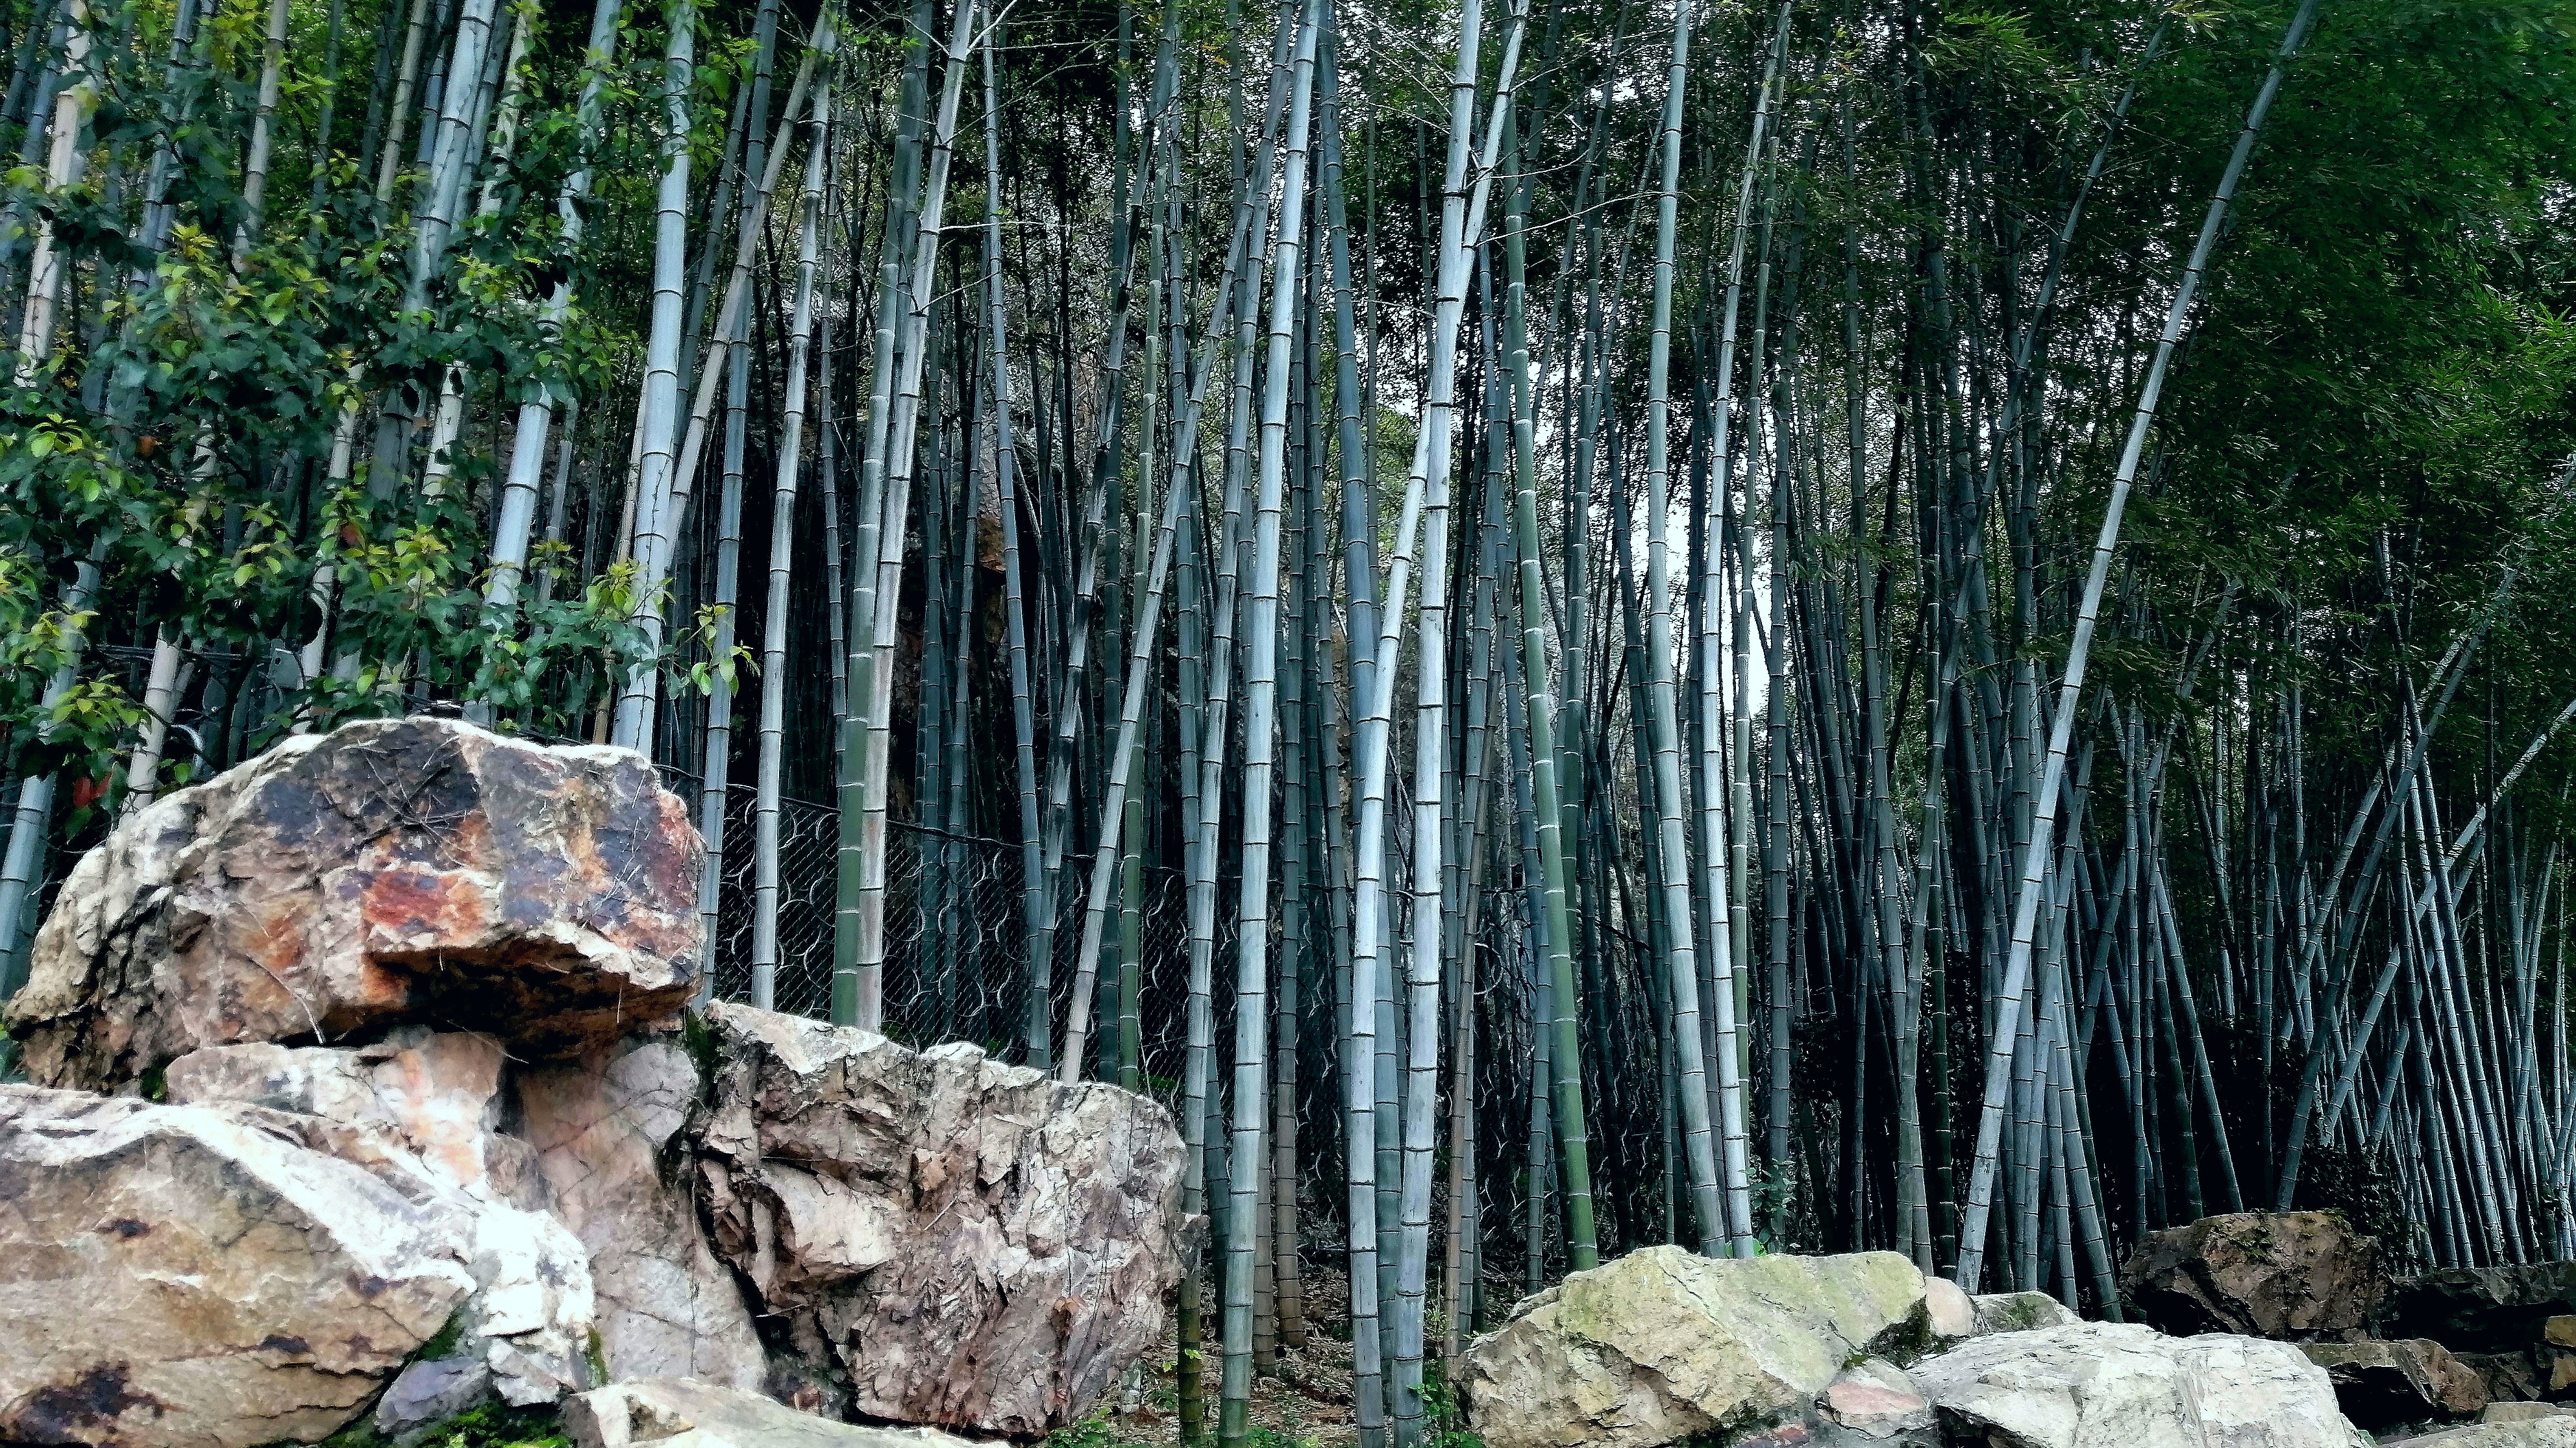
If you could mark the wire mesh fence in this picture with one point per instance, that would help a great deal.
(958, 942)
(958, 968)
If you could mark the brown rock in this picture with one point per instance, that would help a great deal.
(2559, 1331)
(2411, 1380)
(2291, 1275)
(1873, 1402)
(390, 872)
(2510, 1376)
(941, 1237)
(601, 1129)
(2558, 1367)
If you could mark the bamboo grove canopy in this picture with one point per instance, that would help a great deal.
(1567, 623)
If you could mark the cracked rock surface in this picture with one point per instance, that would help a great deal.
(942, 1238)
(2102, 1383)
(603, 1131)
(391, 872)
(202, 1277)
(2303, 1276)
(1664, 1344)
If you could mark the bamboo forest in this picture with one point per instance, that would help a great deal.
(1918, 625)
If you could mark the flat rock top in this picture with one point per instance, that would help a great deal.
(393, 871)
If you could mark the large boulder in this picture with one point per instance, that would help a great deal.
(686, 1413)
(1664, 1344)
(525, 1338)
(2292, 1275)
(606, 1134)
(390, 872)
(938, 1237)
(217, 1276)
(439, 1091)
(2411, 1380)
(2093, 1384)
(2482, 1309)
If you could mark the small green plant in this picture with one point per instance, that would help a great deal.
(491, 1426)
(1092, 1432)
(501, 1427)
(1440, 1405)
(443, 1342)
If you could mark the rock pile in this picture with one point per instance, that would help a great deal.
(367, 1090)
(2258, 1334)
(2514, 1326)
(2403, 1352)
(1663, 1347)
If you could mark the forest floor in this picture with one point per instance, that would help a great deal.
(1303, 1401)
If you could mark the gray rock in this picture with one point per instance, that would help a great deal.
(2017, 1312)
(426, 1393)
(2291, 1275)
(2554, 1430)
(2412, 1380)
(945, 1238)
(1664, 1345)
(391, 872)
(2092, 1384)
(686, 1413)
(603, 1131)
(2522, 1412)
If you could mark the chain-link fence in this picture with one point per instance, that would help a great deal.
(957, 935)
(958, 969)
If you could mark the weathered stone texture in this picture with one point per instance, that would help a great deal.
(1663, 1345)
(944, 1238)
(390, 872)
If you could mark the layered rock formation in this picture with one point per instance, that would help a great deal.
(944, 1238)
(607, 1133)
(434, 1132)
